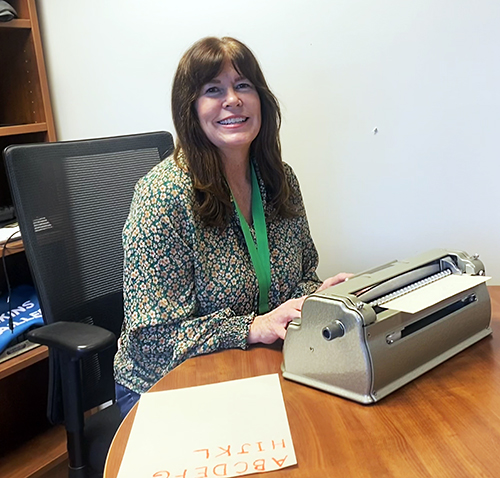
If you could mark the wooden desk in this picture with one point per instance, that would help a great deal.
(446, 423)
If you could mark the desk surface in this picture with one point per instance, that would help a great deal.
(445, 423)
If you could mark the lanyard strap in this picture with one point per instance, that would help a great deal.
(259, 254)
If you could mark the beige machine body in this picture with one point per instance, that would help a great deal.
(348, 344)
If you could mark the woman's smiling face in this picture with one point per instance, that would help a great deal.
(228, 109)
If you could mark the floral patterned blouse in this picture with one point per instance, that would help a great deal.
(191, 289)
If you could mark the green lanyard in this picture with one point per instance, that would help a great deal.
(260, 254)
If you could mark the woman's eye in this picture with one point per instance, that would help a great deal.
(242, 86)
(212, 90)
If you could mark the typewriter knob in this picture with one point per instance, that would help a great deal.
(334, 330)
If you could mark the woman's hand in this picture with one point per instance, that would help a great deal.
(269, 327)
(343, 276)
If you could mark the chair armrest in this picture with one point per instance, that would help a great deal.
(75, 339)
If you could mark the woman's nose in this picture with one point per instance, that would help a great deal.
(232, 98)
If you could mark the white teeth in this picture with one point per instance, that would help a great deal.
(233, 121)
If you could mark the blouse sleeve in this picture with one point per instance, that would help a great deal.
(162, 328)
(310, 281)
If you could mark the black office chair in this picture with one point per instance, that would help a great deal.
(71, 201)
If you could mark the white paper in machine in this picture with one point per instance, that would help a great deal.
(366, 337)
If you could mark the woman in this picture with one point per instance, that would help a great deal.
(218, 252)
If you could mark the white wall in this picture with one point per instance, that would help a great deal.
(425, 73)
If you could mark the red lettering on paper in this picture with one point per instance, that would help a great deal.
(204, 471)
(280, 462)
(282, 444)
(259, 443)
(224, 451)
(206, 452)
(161, 474)
(224, 469)
(243, 451)
(181, 476)
(259, 465)
(245, 464)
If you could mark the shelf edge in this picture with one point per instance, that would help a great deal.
(37, 456)
(21, 23)
(23, 361)
(23, 129)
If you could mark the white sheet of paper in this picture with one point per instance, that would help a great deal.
(225, 429)
(6, 232)
(434, 293)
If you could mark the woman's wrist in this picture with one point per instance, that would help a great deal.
(254, 335)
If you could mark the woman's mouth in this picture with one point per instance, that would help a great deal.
(236, 120)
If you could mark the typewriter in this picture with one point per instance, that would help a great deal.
(355, 340)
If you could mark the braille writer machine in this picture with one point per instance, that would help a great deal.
(366, 337)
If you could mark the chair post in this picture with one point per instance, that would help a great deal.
(71, 374)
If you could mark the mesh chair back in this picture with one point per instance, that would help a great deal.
(72, 200)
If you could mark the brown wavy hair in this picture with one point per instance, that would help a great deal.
(200, 65)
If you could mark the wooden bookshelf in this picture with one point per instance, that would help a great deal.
(22, 361)
(14, 247)
(25, 109)
(17, 23)
(38, 456)
(23, 129)
(30, 447)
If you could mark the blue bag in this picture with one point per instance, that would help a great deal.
(25, 311)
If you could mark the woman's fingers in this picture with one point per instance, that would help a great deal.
(337, 279)
(269, 327)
